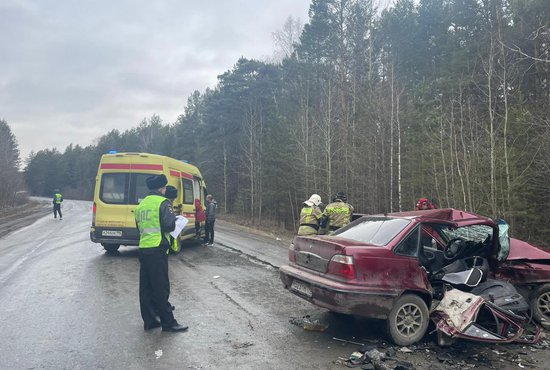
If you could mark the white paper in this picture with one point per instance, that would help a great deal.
(180, 224)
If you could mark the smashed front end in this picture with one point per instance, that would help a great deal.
(468, 316)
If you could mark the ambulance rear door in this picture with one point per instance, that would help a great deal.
(113, 195)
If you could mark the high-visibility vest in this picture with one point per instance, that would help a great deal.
(310, 215)
(147, 215)
(309, 220)
(339, 214)
(58, 198)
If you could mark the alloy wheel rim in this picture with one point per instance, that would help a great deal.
(409, 320)
(544, 304)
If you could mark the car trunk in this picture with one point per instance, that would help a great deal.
(315, 253)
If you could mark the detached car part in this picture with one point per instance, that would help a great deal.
(468, 316)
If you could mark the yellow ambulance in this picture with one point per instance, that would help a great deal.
(120, 186)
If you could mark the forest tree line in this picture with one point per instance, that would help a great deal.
(445, 99)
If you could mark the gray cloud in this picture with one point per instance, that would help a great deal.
(73, 70)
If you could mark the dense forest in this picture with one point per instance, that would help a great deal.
(446, 99)
(11, 181)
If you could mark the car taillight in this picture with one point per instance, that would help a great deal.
(342, 265)
(291, 253)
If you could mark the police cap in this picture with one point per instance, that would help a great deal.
(156, 182)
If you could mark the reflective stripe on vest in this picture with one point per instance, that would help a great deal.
(58, 198)
(339, 214)
(309, 215)
(147, 215)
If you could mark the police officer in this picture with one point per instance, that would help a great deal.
(155, 220)
(310, 216)
(57, 200)
(338, 213)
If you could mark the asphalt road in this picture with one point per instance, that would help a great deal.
(66, 304)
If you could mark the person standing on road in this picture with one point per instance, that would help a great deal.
(211, 206)
(310, 216)
(155, 220)
(57, 200)
(200, 217)
(338, 213)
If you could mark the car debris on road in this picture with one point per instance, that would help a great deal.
(462, 355)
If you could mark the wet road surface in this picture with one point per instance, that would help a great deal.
(65, 303)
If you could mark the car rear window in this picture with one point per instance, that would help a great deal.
(373, 230)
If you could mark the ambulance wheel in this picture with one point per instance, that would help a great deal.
(111, 248)
(540, 305)
(408, 320)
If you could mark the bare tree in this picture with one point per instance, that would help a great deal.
(285, 39)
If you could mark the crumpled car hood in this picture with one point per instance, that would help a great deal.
(520, 250)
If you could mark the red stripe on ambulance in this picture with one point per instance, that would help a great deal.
(134, 166)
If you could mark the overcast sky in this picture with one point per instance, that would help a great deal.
(72, 70)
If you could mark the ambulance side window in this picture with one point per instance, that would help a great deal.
(113, 188)
(139, 189)
(188, 197)
(197, 188)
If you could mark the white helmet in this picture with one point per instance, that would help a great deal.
(314, 200)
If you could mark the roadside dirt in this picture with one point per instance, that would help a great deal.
(15, 218)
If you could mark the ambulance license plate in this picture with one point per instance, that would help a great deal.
(111, 233)
(301, 288)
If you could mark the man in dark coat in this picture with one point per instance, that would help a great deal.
(210, 211)
(155, 220)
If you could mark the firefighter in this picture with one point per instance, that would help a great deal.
(155, 220)
(424, 203)
(310, 216)
(338, 213)
(57, 200)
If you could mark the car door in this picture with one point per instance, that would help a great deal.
(411, 271)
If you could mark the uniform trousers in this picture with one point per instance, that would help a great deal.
(154, 287)
(56, 210)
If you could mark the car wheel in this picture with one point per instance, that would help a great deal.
(111, 248)
(540, 305)
(408, 320)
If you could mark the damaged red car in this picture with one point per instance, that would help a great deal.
(390, 267)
